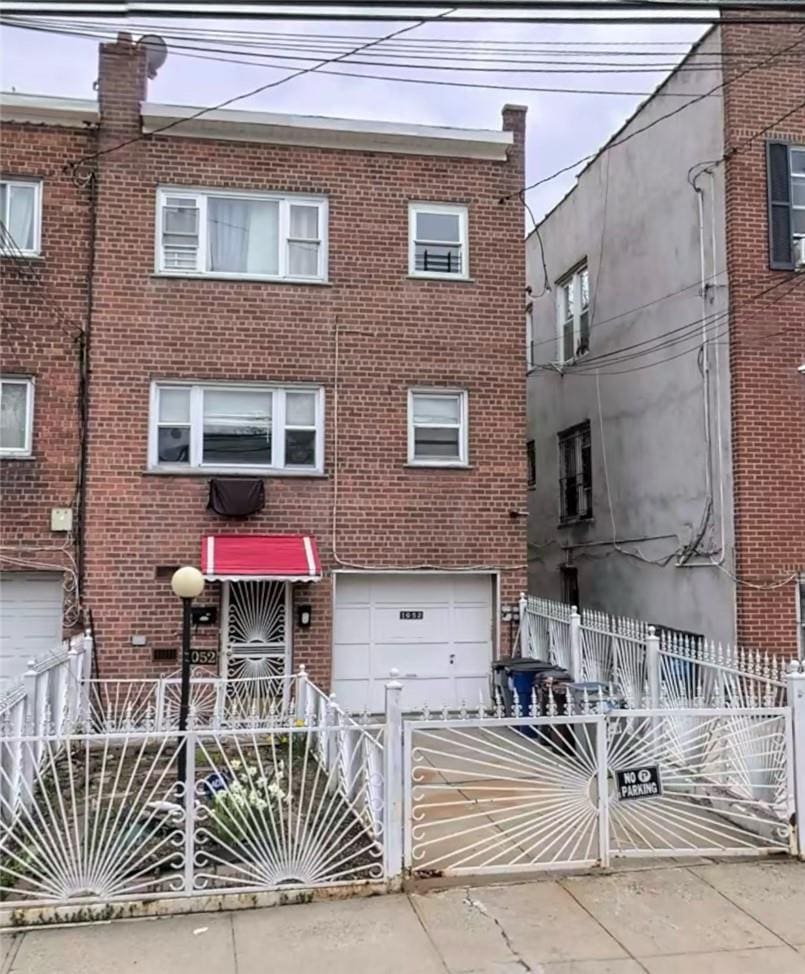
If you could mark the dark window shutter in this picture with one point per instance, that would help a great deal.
(778, 180)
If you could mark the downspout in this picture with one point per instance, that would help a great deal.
(719, 431)
(83, 385)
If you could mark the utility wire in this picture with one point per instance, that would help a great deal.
(249, 94)
(433, 82)
(661, 118)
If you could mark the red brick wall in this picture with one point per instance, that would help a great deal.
(392, 333)
(767, 344)
(43, 313)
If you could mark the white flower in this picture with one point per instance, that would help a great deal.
(236, 764)
(236, 788)
(261, 782)
(251, 772)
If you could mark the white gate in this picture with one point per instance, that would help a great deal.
(497, 794)
(256, 629)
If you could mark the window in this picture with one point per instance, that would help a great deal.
(573, 314)
(569, 582)
(238, 427)
(437, 240)
(531, 456)
(575, 474)
(241, 235)
(20, 216)
(16, 416)
(437, 427)
(785, 175)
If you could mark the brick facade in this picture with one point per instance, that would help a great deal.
(767, 342)
(44, 302)
(372, 329)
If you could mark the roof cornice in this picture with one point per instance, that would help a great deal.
(329, 133)
(48, 110)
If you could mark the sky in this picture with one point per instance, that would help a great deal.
(561, 127)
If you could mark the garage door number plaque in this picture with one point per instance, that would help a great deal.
(412, 614)
(639, 783)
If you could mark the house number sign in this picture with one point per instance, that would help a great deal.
(639, 783)
(204, 657)
(412, 614)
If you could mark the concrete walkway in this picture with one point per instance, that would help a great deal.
(729, 918)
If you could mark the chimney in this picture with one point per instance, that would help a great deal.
(514, 122)
(122, 86)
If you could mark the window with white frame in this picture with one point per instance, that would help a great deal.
(573, 314)
(20, 217)
(785, 178)
(240, 234)
(437, 240)
(16, 416)
(437, 427)
(239, 427)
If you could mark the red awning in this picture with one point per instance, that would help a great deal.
(285, 557)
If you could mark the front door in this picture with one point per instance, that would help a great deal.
(256, 629)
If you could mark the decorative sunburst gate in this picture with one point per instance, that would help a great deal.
(491, 794)
(255, 629)
(107, 818)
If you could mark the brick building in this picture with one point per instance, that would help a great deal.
(666, 401)
(305, 376)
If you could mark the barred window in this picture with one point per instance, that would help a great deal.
(575, 474)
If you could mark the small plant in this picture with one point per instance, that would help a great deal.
(248, 803)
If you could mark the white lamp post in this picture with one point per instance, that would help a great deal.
(187, 584)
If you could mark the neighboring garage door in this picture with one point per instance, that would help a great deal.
(435, 629)
(30, 619)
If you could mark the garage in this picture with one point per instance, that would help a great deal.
(31, 614)
(436, 629)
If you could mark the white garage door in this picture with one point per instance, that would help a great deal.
(435, 629)
(30, 619)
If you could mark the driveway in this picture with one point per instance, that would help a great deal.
(727, 918)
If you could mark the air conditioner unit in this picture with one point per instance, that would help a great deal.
(799, 253)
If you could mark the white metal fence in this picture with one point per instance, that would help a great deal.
(95, 814)
(273, 787)
(644, 667)
(486, 794)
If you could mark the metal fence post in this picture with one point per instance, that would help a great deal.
(84, 686)
(575, 644)
(189, 802)
(28, 752)
(653, 669)
(301, 694)
(159, 705)
(796, 700)
(603, 790)
(525, 628)
(73, 687)
(393, 782)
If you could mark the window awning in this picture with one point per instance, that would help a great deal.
(282, 557)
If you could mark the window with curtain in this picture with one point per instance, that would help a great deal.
(16, 416)
(245, 426)
(20, 217)
(437, 427)
(242, 235)
(437, 240)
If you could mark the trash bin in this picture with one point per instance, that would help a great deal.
(600, 698)
(514, 678)
(527, 675)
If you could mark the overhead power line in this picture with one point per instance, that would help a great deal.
(189, 52)
(670, 114)
(248, 94)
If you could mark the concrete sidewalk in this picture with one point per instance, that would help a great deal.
(729, 918)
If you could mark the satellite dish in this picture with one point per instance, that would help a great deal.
(156, 53)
